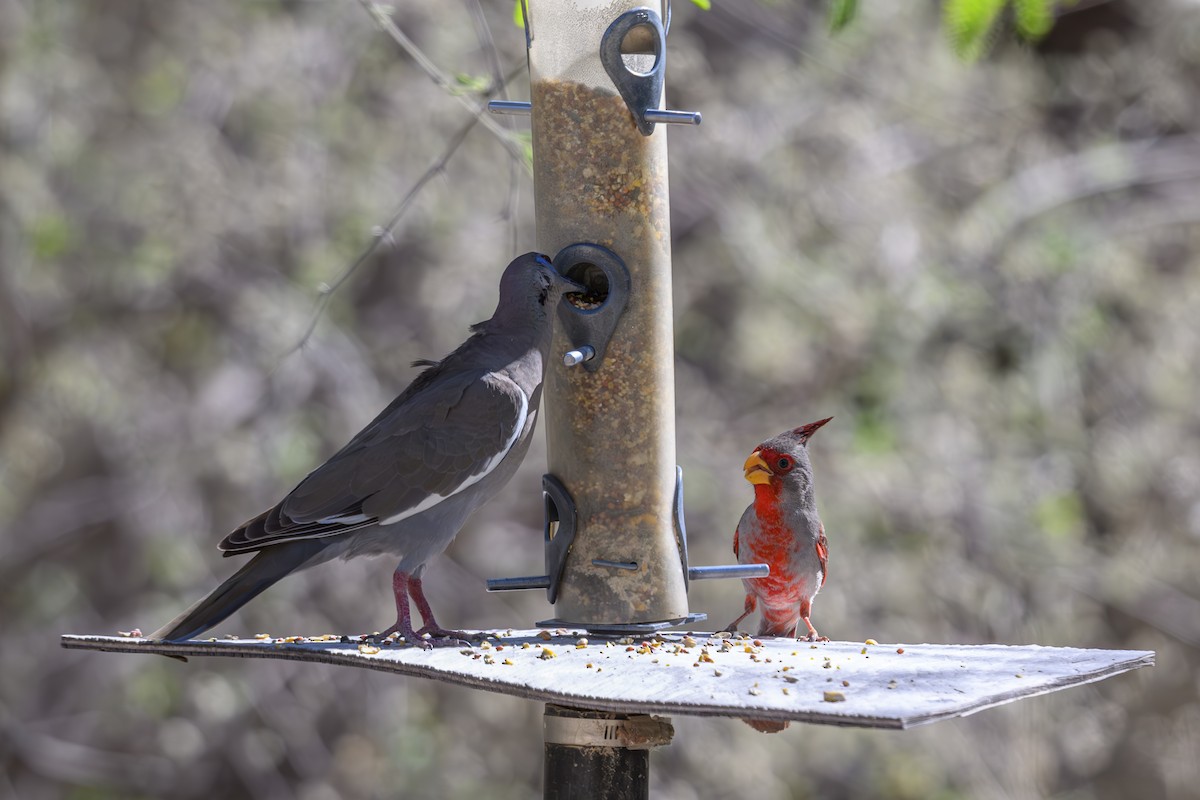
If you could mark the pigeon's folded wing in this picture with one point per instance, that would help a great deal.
(425, 447)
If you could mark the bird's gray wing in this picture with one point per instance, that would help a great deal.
(422, 449)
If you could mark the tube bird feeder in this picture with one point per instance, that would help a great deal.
(610, 420)
(616, 546)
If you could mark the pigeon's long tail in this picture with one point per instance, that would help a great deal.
(267, 567)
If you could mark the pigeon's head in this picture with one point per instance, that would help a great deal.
(531, 288)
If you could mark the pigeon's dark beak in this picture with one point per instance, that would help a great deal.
(566, 283)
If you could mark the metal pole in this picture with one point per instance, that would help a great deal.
(598, 755)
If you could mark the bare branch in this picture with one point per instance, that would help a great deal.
(384, 20)
(484, 33)
(382, 233)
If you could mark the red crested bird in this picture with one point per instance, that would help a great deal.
(781, 528)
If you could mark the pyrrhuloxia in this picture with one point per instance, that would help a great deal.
(781, 528)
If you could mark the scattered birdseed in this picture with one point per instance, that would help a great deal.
(508, 662)
(485, 645)
(545, 636)
(755, 691)
(368, 649)
(870, 641)
(547, 654)
(261, 636)
(688, 641)
(834, 697)
(786, 690)
(581, 644)
(845, 683)
(900, 650)
(133, 634)
(489, 659)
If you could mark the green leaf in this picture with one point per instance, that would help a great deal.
(842, 13)
(1060, 516)
(969, 25)
(471, 84)
(1033, 17)
(705, 5)
(50, 236)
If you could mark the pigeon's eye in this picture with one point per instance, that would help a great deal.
(784, 463)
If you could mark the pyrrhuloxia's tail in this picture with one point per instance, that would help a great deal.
(777, 626)
(267, 567)
(767, 725)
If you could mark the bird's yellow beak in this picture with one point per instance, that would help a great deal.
(756, 470)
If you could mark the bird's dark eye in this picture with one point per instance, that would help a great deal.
(784, 463)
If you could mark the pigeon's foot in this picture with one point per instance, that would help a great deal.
(438, 633)
(407, 634)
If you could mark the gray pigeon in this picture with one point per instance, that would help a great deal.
(407, 482)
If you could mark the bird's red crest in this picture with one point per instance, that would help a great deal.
(806, 431)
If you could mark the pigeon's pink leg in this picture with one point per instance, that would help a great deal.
(431, 626)
(403, 626)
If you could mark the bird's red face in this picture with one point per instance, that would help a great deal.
(766, 464)
(774, 459)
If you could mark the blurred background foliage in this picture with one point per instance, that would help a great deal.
(986, 273)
